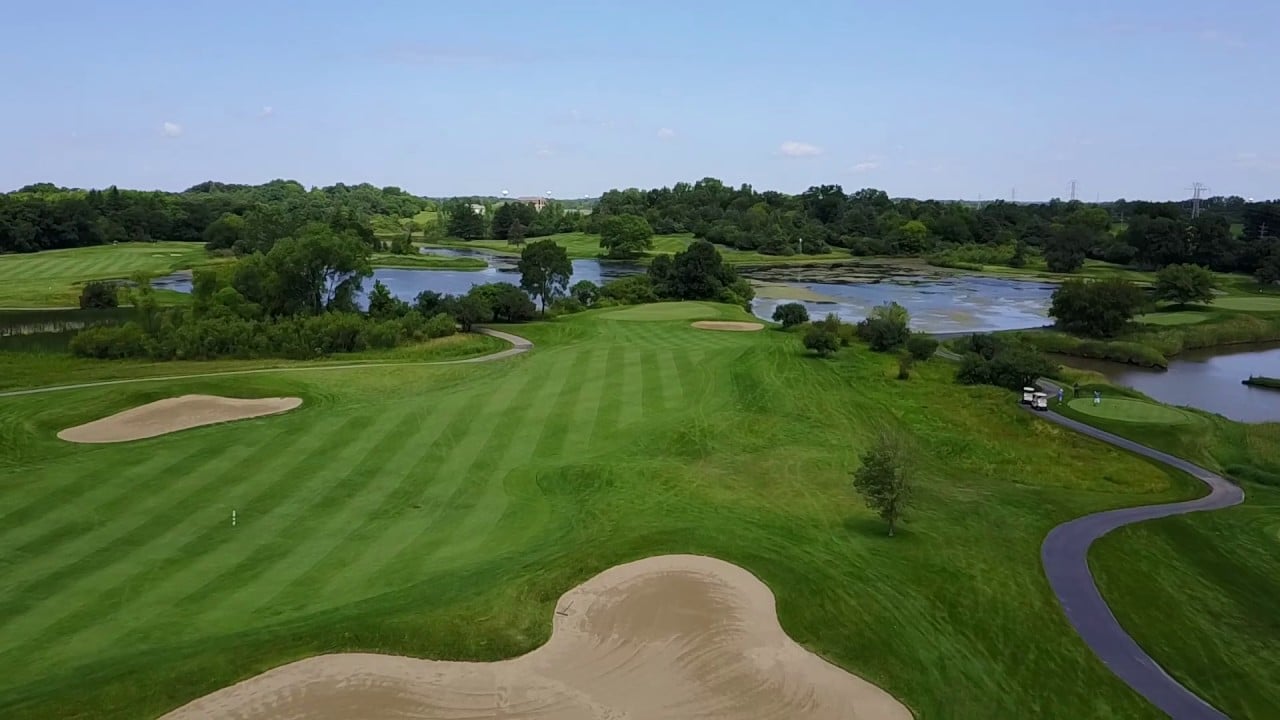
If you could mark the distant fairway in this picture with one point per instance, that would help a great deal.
(1249, 303)
(53, 278)
(1188, 317)
(441, 511)
(1134, 411)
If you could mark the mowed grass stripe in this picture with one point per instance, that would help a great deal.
(412, 490)
(477, 506)
(653, 395)
(631, 407)
(162, 587)
(64, 560)
(365, 545)
(174, 554)
(319, 483)
(322, 525)
(552, 436)
(670, 380)
(398, 480)
(605, 422)
(585, 404)
(493, 420)
(130, 542)
(78, 504)
(293, 474)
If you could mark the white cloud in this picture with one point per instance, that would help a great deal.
(545, 151)
(793, 148)
(866, 166)
(171, 129)
(267, 111)
(666, 133)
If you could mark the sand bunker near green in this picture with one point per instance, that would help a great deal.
(173, 414)
(726, 325)
(676, 636)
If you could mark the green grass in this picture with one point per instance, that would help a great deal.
(580, 245)
(1252, 303)
(666, 311)
(428, 262)
(1263, 382)
(1188, 317)
(1201, 592)
(440, 511)
(53, 278)
(1132, 411)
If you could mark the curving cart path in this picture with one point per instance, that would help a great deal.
(1065, 555)
(518, 345)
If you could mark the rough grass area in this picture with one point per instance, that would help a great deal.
(441, 511)
(1249, 303)
(1131, 410)
(54, 278)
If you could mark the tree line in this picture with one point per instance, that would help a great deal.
(1229, 235)
(242, 218)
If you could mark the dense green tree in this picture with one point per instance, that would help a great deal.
(1066, 247)
(886, 328)
(625, 236)
(921, 347)
(545, 270)
(463, 221)
(1002, 363)
(821, 340)
(1183, 284)
(99, 295)
(585, 292)
(883, 479)
(385, 306)
(225, 233)
(512, 215)
(1099, 308)
(790, 314)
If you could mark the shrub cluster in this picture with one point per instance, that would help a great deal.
(1132, 353)
(1001, 361)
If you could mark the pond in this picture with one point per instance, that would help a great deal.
(51, 330)
(938, 302)
(1205, 379)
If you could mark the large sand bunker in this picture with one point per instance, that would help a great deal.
(677, 636)
(174, 414)
(730, 326)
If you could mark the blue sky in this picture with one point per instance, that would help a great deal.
(1131, 98)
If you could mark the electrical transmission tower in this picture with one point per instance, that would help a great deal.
(1074, 186)
(1197, 190)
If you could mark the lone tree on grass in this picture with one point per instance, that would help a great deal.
(1184, 284)
(790, 315)
(545, 270)
(882, 480)
(1100, 308)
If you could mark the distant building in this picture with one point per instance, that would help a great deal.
(538, 203)
(477, 208)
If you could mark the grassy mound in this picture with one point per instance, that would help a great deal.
(1133, 411)
(441, 511)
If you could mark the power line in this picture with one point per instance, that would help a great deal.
(1198, 190)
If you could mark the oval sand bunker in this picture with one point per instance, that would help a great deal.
(730, 326)
(174, 414)
(677, 636)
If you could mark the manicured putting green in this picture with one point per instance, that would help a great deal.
(1255, 303)
(1129, 410)
(1189, 317)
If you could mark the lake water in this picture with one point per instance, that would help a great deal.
(937, 303)
(1208, 380)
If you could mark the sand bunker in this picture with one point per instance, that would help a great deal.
(731, 326)
(174, 414)
(677, 636)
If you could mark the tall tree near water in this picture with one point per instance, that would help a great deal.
(545, 270)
